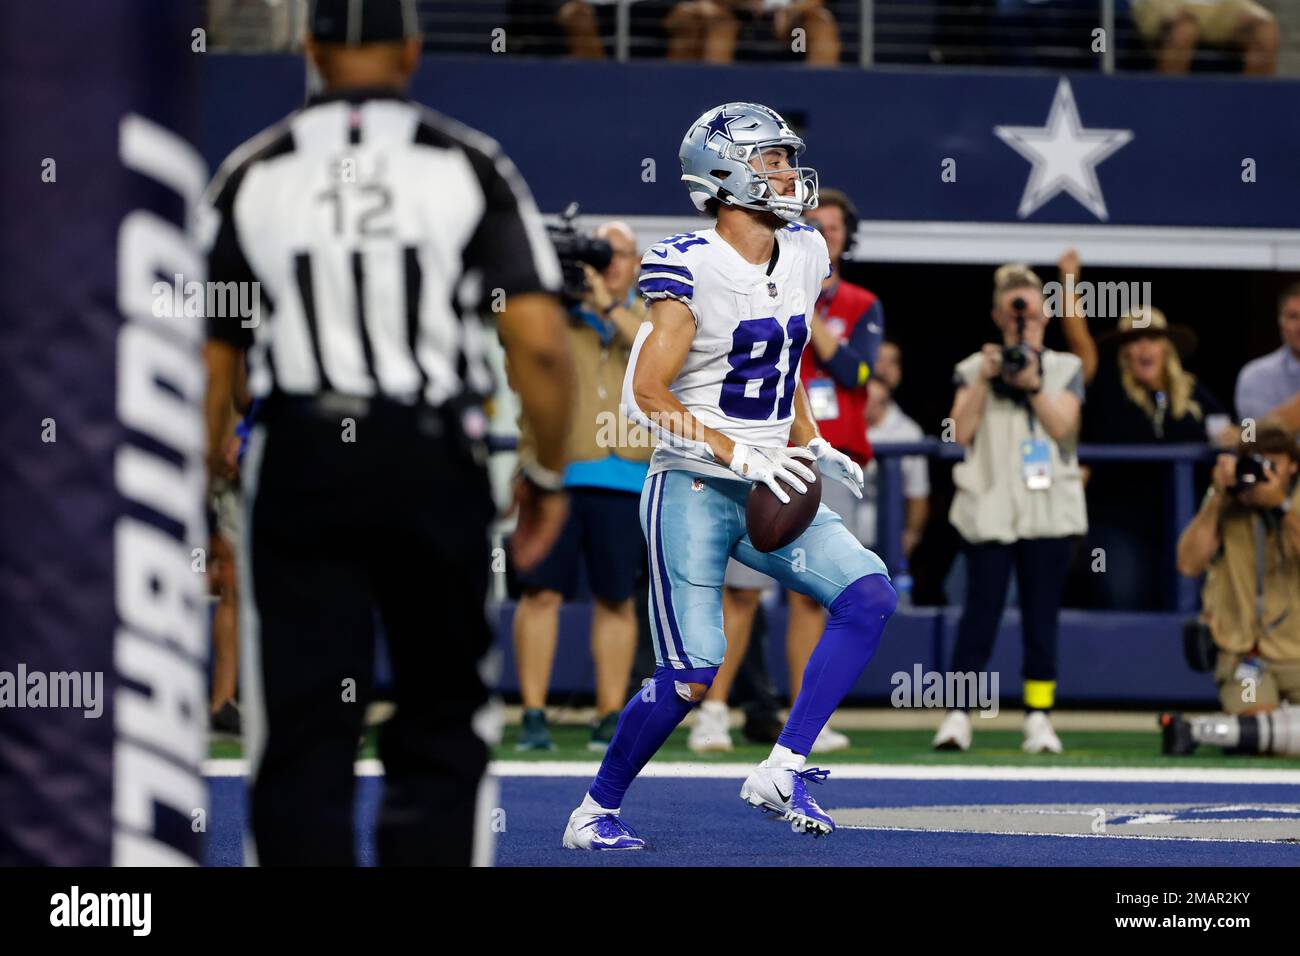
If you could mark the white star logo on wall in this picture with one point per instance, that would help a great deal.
(1064, 154)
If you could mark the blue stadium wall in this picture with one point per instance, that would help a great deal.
(581, 130)
(1105, 657)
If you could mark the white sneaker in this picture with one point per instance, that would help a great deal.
(1039, 735)
(828, 741)
(954, 733)
(599, 831)
(712, 730)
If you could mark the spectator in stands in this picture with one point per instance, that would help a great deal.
(1142, 396)
(1019, 496)
(1269, 387)
(581, 25)
(608, 461)
(1174, 28)
(845, 326)
(227, 506)
(586, 25)
(720, 31)
(889, 365)
(887, 423)
(1246, 539)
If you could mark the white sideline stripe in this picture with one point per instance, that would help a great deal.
(237, 767)
(1076, 836)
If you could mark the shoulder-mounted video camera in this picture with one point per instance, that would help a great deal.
(574, 250)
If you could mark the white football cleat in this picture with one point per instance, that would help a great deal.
(829, 741)
(784, 791)
(712, 730)
(954, 733)
(1039, 735)
(599, 831)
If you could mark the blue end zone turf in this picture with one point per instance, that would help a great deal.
(702, 822)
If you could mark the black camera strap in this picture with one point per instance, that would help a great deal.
(1162, 410)
(1262, 523)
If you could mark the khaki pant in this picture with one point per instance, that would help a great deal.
(1279, 681)
(1220, 20)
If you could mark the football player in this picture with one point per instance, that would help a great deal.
(715, 373)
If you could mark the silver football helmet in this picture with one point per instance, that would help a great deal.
(716, 154)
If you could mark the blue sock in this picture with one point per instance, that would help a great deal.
(857, 619)
(648, 720)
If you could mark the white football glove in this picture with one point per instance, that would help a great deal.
(837, 465)
(766, 465)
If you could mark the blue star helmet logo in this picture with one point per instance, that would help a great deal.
(720, 125)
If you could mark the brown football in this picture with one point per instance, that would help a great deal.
(773, 525)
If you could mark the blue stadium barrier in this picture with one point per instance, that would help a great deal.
(1104, 656)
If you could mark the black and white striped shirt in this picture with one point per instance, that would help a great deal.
(375, 229)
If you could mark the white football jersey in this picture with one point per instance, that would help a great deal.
(751, 328)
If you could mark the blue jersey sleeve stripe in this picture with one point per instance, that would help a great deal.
(652, 287)
(657, 275)
(666, 267)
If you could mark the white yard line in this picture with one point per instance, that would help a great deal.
(228, 767)
(1037, 833)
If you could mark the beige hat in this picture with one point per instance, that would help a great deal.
(1150, 323)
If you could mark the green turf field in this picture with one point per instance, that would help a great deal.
(996, 747)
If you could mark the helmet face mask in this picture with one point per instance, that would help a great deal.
(716, 157)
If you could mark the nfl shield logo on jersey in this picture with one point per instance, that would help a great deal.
(771, 289)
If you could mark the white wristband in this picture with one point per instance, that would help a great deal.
(543, 478)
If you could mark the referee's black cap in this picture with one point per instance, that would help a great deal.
(354, 22)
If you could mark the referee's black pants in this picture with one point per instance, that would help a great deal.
(396, 522)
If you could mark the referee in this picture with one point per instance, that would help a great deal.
(375, 229)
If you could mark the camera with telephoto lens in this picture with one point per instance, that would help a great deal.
(574, 250)
(1016, 358)
(1251, 470)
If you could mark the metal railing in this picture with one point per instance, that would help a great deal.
(871, 32)
(1180, 499)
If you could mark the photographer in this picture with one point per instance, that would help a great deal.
(608, 460)
(1019, 496)
(1246, 539)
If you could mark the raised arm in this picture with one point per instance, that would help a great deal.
(1074, 324)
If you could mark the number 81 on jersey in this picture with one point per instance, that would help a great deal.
(751, 364)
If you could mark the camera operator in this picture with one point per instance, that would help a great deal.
(608, 461)
(1019, 496)
(1246, 539)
